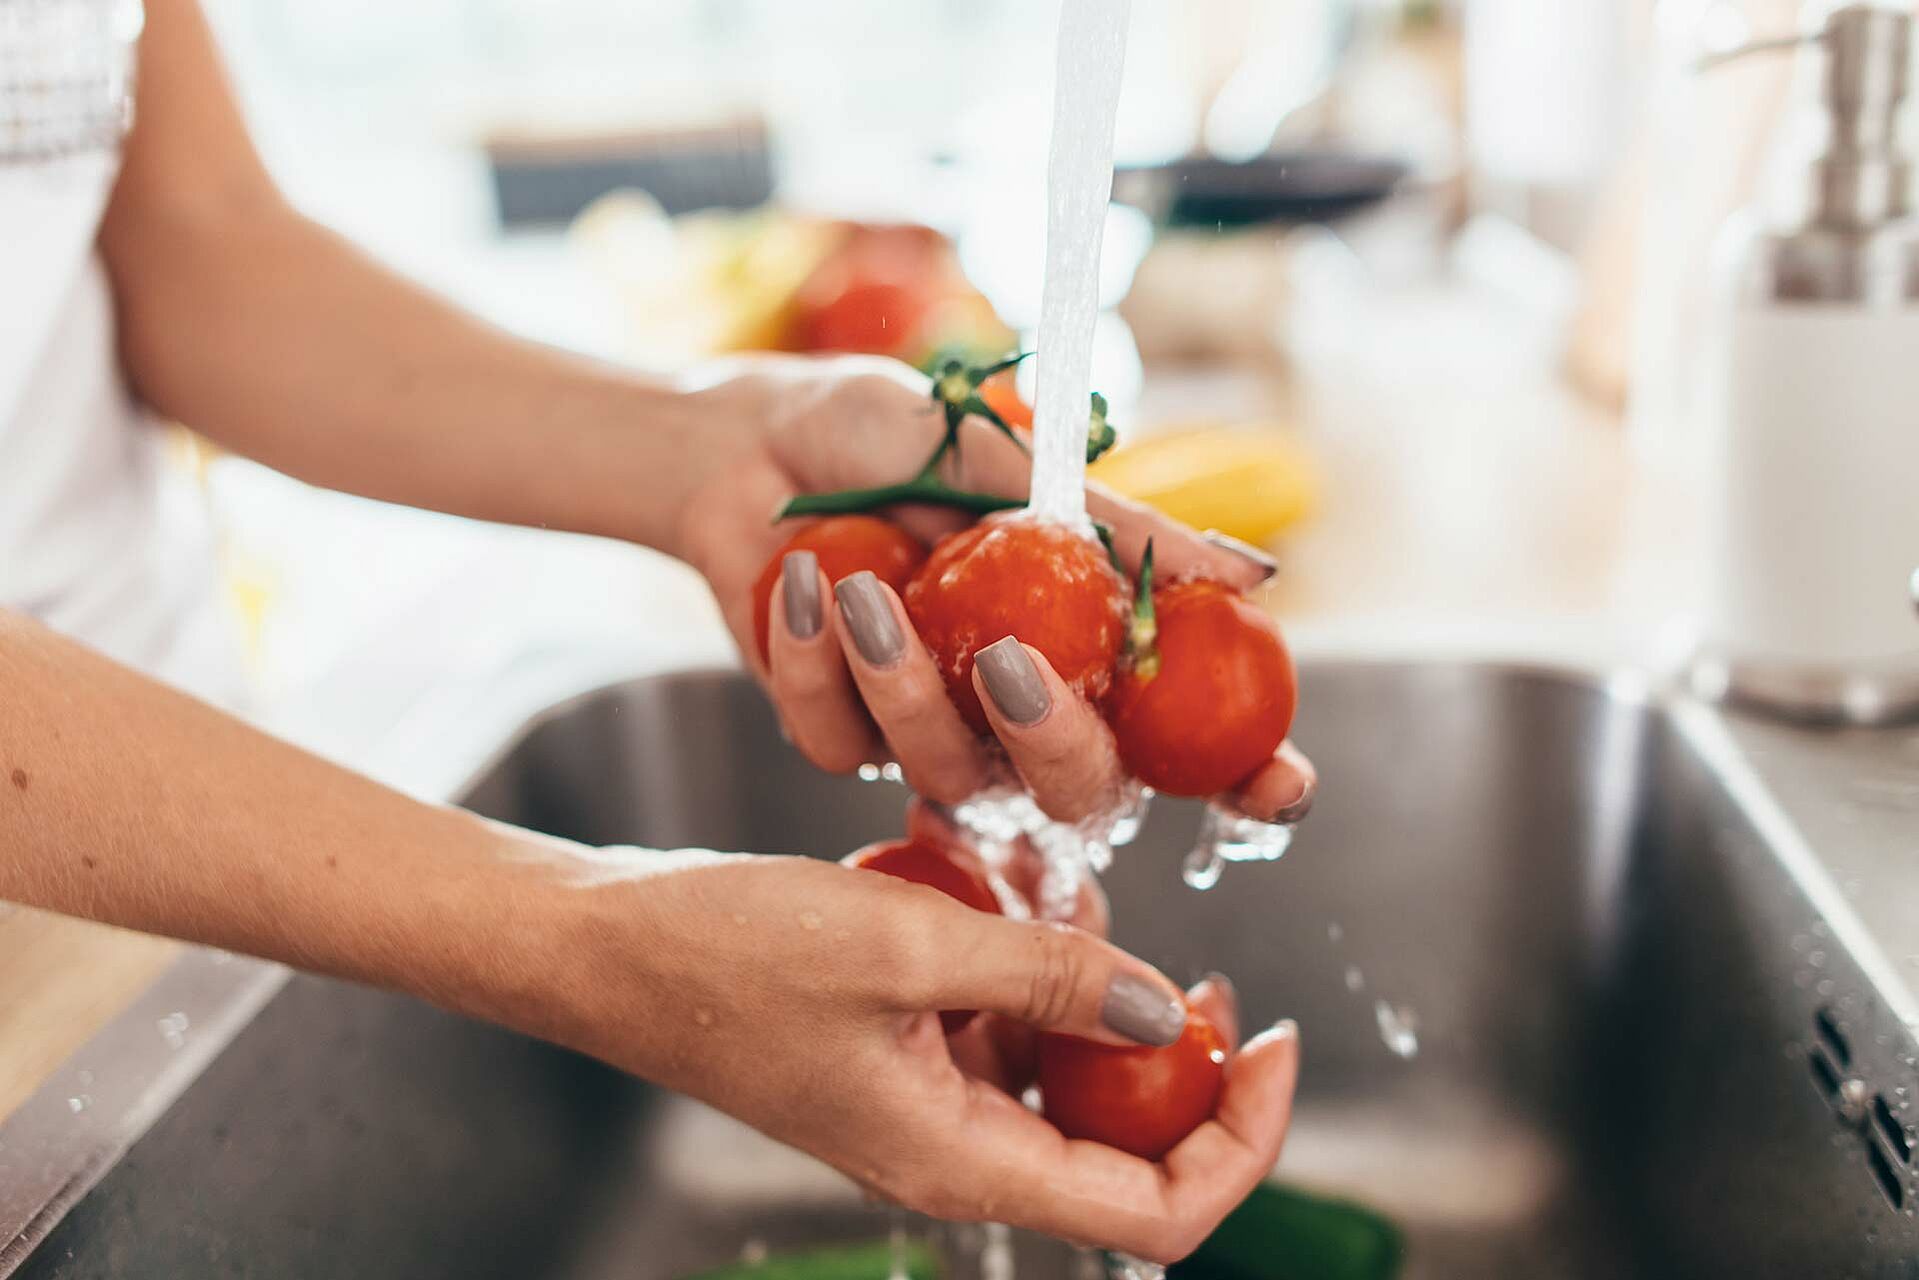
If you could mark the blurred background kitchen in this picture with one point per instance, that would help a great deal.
(1408, 291)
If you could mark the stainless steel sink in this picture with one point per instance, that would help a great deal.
(1657, 1037)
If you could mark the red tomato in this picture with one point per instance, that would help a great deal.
(1001, 394)
(954, 872)
(1220, 702)
(1010, 575)
(845, 545)
(1139, 1099)
(846, 312)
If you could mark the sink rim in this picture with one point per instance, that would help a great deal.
(52, 1156)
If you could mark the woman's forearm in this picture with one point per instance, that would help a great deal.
(125, 802)
(281, 341)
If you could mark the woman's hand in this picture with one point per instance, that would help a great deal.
(803, 998)
(851, 680)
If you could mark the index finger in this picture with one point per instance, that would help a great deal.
(1032, 1176)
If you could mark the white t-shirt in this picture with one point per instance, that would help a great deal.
(98, 538)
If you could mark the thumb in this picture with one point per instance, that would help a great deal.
(1058, 978)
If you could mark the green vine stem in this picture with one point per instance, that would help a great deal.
(924, 489)
(955, 392)
(1142, 638)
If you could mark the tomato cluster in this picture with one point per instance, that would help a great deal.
(1199, 690)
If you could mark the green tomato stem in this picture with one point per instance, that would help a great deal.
(923, 489)
(1142, 640)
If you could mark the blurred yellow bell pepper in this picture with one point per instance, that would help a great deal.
(1246, 481)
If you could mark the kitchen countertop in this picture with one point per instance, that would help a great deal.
(1470, 495)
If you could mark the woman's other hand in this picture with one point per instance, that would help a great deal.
(803, 998)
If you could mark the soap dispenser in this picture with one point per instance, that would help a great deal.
(1812, 398)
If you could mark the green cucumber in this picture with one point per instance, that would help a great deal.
(1278, 1233)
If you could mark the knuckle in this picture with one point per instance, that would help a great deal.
(901, 957)
(1059, 967)
(805, 684)
(828, 749)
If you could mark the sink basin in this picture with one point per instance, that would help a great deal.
(1653, 1040)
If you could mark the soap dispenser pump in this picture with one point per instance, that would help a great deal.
(1813, 402)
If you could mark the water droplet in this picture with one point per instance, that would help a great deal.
(173, 1029)
(703, 1016)
(1124, 1266)
(1129, 817)
(810, 921)
(1334, 933)
(753, 1252)
(1816, 959)
(79, 1103)
(1398, 1028)
(1355, 980)
(1242, 839)
(1202, 868)
(891, 772)
(896, 1244)
(1825, 987)
(996, 1252)
(1819, 928)
(869, 773)
(1800, 942)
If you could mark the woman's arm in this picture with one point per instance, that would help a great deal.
(798, 995)
(281, 341)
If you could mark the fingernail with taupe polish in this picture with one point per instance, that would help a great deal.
(800, 583)
(1012, 680)
(1223, 984)
(869, 616)
(1266, 565)
(1299, 807)
(1140, 1011)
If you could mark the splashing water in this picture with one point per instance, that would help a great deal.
(996, 1252)
(1124, 1266)
(998, 817)
(1225, 836)
(1398, 1028)
(1079, 182)
(173, 1029)
(1398, 1025)
(1202, 868)
(896, 1252)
